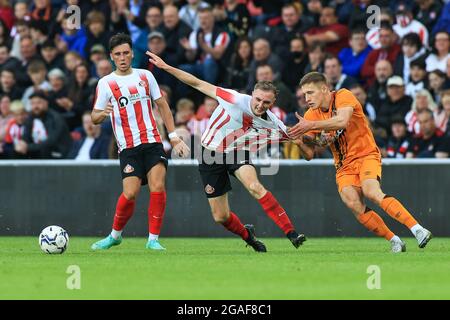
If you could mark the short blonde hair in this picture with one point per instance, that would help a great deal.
(17, 107)
(185, 104)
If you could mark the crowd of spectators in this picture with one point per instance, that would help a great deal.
(399, 69)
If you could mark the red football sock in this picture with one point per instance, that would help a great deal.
(235, 225)
(276, 212)
(124, 211)
(156, 209)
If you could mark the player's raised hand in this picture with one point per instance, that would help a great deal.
(157, 61)
(179, 147)
(300, 128)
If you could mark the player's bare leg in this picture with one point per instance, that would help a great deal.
(353, 198)
(222, 214)
(157, 205)
(248, 177)
(124, 211)
(371, 190)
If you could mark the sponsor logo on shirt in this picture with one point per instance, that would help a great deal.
(123, 101)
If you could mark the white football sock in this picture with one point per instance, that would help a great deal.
(415, 228)
(116, 234)
(152, 236)
(395, 238)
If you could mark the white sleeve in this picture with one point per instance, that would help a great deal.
(222, 40)
(193, 40)
(102, 95)
(233, 100)
(155, 92)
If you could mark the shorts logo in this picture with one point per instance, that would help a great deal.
(209, 189)
(128, 169)
(367, 173)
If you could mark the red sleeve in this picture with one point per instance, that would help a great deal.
(225, 95)
(8, 138)
(340, 30)
(368, 69)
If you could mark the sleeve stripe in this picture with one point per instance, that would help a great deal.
(225, 95)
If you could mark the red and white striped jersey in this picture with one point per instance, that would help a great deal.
(132, 97)
(14, 132)
(403, 28)
(233, 126)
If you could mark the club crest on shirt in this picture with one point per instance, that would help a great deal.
(143, 84)
(209, 189)
(128, 169)
(123, 101)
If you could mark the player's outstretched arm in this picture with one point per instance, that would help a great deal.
(98, 115)
(337, 122)
(189, 79)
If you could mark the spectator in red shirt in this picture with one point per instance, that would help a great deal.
(333, 34)
(6, 14)
(389, 51)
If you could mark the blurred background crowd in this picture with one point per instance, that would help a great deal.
(399, 69)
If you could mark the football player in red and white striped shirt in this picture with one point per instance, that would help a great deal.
(127, 96)
(240, 122)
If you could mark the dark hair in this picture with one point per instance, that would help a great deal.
(9, 70)
(237, 61)
(316, 45)
(119, 39)
(264, 65)
(427, 111)
(386, 26)
(75, 92)
(397, 118)
(313, 77)
(412, 39)
(419, 62)
(5, 45)
(302, 39)
(266, 86)
(439, 73)
(332, 57)
(36, 66)
(39, 25)
(357, 30)
(434, 50)
(357, 86)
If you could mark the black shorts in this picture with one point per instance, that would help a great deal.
(215, 170)
(137, 161)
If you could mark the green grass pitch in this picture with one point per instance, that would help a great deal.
(193, 268)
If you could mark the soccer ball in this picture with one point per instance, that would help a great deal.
(53, 239)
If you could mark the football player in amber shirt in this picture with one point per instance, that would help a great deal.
(337, 119)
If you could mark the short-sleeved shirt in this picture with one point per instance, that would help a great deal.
(356, 140)
(132, 97)
(233, 125)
